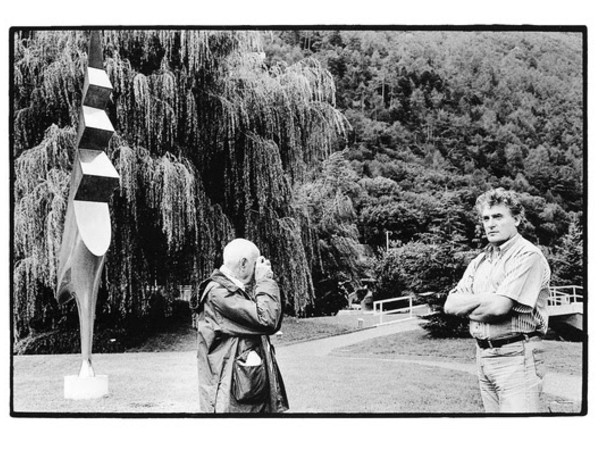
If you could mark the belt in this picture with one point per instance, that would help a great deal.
(496, 343)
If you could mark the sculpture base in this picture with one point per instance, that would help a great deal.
(83, 388)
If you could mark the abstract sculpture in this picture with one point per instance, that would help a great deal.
(87, 230)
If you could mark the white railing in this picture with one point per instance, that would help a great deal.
(379, 311)
(565, 295)
(559, 296)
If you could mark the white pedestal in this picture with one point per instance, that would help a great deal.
(82, 388)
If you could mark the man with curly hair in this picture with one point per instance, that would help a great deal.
(504, 292)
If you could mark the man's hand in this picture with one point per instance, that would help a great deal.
(493, 308)
(263, 269)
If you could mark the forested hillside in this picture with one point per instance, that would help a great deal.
(325, 147)
(439, 117)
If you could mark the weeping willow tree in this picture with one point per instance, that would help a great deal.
(209, 143)
(336, 255)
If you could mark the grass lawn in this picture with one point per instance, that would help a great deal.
(344, 385)
(369, 377)
(446, 388)
(183, 338)
(561, 357)
(166, 383)
(297, 330)
(138, 383)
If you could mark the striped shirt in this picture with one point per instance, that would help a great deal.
(518, 270)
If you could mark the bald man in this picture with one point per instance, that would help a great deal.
(237, 308)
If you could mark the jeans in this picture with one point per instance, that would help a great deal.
(510, 377)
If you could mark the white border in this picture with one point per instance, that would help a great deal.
(488, 433)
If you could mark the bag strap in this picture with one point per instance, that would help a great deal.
(198, 297)
(207, 289)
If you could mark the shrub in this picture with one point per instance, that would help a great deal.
(441, 325)
(68, 341)
(419, 267)
(332, 296)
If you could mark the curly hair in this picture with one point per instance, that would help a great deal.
(500, 196)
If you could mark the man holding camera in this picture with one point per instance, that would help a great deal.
(236, 309)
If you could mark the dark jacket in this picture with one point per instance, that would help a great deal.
(230, 324)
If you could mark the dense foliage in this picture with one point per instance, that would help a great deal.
(223, 134)
(209, 142)
(419, 267)
(339, 259)
(438, 118)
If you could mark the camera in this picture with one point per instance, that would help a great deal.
(263, 268)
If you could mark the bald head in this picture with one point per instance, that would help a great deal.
(240, 257)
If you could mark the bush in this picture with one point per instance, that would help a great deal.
(441, 325)
(68, 341)
(108, 337)
(419, 267)
(566, 261)
(331, 297)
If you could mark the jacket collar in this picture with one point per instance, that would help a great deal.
(229, 274)
(219, 277)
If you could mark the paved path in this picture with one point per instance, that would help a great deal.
(323, 346)
(316, 367)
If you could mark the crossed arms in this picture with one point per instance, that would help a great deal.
(487, 307)
(518, 291)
